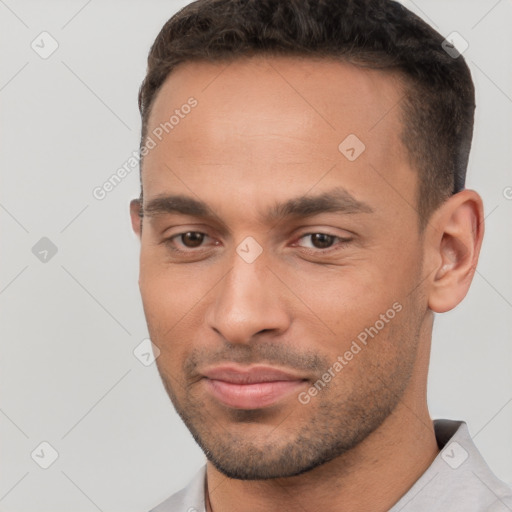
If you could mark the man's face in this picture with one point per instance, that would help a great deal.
(339, 271)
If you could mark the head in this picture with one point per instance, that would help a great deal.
(304, 211)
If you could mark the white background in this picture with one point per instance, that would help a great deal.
(69, 326)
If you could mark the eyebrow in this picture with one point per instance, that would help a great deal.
(337, 200)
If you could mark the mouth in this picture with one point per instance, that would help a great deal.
(250, 388)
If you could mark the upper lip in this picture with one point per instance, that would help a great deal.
(248, 375)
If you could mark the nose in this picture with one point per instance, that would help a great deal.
(248, 301)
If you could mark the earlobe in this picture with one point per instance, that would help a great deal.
(136, 219)
(456, 238)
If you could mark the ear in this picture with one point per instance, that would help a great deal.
(454, 239)
(135, 210)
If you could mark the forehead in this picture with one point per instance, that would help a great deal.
(330, 93)
(265, 121)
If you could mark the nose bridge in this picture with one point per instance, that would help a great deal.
(243, 281)
(247, 302)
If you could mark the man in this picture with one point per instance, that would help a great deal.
(302, 217)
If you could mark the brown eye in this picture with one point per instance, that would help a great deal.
(322, 243)
(192, 238)
(322, 240)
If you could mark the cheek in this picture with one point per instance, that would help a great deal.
(363, 303)
(168, 289)
(160, 296)
(346, 299)
(164, 309)
(174, 300)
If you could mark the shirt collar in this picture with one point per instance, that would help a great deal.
(457, 480)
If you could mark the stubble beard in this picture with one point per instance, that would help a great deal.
(333, 425)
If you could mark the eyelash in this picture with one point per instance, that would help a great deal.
(341, 242)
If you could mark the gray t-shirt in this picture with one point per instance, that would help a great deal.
(458, 480)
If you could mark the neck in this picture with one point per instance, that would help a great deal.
(372, 476)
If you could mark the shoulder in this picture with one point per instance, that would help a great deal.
(458, 479)
(188, 499)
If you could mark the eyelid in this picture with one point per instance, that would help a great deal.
(341, 240)
(170, 240)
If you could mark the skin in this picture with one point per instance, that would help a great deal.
(265, 131)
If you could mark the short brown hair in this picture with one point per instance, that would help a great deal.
(438, 106)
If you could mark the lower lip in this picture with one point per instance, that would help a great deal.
(252, 396)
